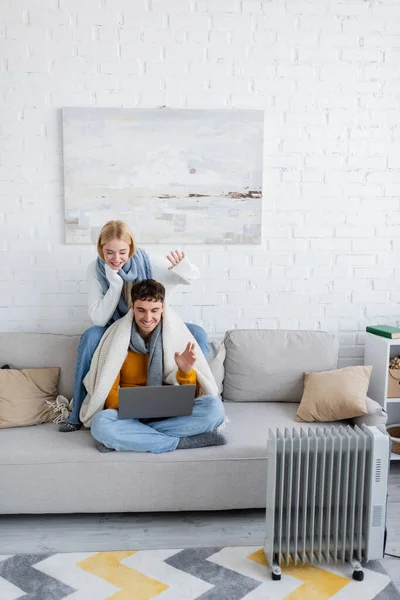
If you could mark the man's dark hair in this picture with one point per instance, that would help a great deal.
(148, 289)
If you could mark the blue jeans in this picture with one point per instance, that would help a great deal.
(156, 436)
(87, 346)
(200, 336)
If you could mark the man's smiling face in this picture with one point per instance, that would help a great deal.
(147, 315)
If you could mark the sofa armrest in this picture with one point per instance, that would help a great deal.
(375, 416)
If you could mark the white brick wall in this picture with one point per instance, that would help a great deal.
(326, 72)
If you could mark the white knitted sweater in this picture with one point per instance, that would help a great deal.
(102, 306)
(110, 355)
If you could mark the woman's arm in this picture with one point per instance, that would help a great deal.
(182, 273)
(102, 306)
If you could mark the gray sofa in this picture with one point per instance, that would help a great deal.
(261, 375)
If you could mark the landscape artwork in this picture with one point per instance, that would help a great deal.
(175, 176)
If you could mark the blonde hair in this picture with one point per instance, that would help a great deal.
(115, 230)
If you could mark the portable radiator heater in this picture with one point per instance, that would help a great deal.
(326, 496)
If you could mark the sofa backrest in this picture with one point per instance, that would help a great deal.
(267, 365)
(260, 365)
(34, 350)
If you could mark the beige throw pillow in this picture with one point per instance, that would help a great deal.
(334, 395)
(23, 395)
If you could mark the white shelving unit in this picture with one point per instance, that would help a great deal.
(378, 352)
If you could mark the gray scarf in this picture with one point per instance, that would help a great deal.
(152, 346)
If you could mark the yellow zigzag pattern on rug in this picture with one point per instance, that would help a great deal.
(318, 583)
(133, 584)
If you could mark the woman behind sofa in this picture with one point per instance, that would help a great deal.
(110, 278)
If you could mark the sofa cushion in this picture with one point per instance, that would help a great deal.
(35, 350)
(71, 475)
(215, 361)
(269, 365)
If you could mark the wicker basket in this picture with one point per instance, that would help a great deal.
(394, 383)
(394, 432)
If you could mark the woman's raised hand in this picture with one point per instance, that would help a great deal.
(175, 258)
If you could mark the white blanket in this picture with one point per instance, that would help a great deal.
(112, 351)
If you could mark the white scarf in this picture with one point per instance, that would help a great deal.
(112, 351)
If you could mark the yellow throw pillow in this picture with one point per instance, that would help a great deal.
(334, 395)
(23, 395)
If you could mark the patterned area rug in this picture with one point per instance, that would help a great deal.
(206, 573)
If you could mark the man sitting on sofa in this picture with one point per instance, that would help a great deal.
(153, 335)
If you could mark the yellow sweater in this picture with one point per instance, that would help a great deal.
(134, 374)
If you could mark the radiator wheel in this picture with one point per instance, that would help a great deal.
(276, 577)
(358, 575)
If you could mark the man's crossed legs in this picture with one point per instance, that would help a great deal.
(192, 431)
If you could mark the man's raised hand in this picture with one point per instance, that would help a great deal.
(186, 359)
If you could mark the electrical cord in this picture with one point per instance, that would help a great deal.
(392, 555)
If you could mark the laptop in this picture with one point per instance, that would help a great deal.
(156, 401)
